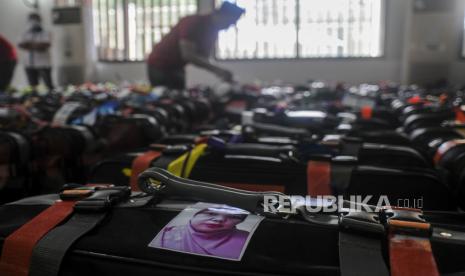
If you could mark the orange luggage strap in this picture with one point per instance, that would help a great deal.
(366, 112)
(140, 164)
(410, 251)
(459, 115)
(319, 178)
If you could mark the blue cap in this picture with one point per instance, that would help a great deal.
(231, 9)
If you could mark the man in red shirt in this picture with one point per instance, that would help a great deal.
(191, 41)
(8, 59)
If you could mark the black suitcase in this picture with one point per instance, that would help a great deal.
(121, 134)
(263, 167)
(15, 156)
(386, 155)
(450, 156)
(58, 153)
(426, 120)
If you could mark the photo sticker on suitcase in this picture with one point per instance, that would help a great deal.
(210, 230)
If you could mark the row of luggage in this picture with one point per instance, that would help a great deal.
(260, 144)
(52, 139)
(281, 152)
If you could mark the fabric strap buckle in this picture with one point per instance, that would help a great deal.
(176, 150)
(79, 192)
(76, 194)
(362, 222)
(406, 221)
(103, 199)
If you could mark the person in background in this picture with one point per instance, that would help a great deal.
(36, 42)
(191, 41)
(8, 59)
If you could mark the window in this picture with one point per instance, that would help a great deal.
(125, 30)
(305, 29)
(67, 3)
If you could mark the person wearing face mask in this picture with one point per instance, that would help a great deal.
(211, 231)
(36, 42)
(8, 60)
(191, 41)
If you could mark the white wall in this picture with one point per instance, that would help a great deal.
(392, 66)
(457, 66)
(434, 41)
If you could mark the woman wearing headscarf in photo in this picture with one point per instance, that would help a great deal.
(211, 231)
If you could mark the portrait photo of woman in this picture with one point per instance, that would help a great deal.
(207, 229)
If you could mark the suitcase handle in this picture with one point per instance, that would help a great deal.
(160, 182)
(259, 150)
(277, 129)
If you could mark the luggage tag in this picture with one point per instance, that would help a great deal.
(62, 115)
(210, 230)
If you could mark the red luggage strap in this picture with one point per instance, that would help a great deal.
(366, 112)
(459, 115)
(319, 178)
(18, 246)
(445, 147)
(141, 163)
(415, 100)
(410, 251)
